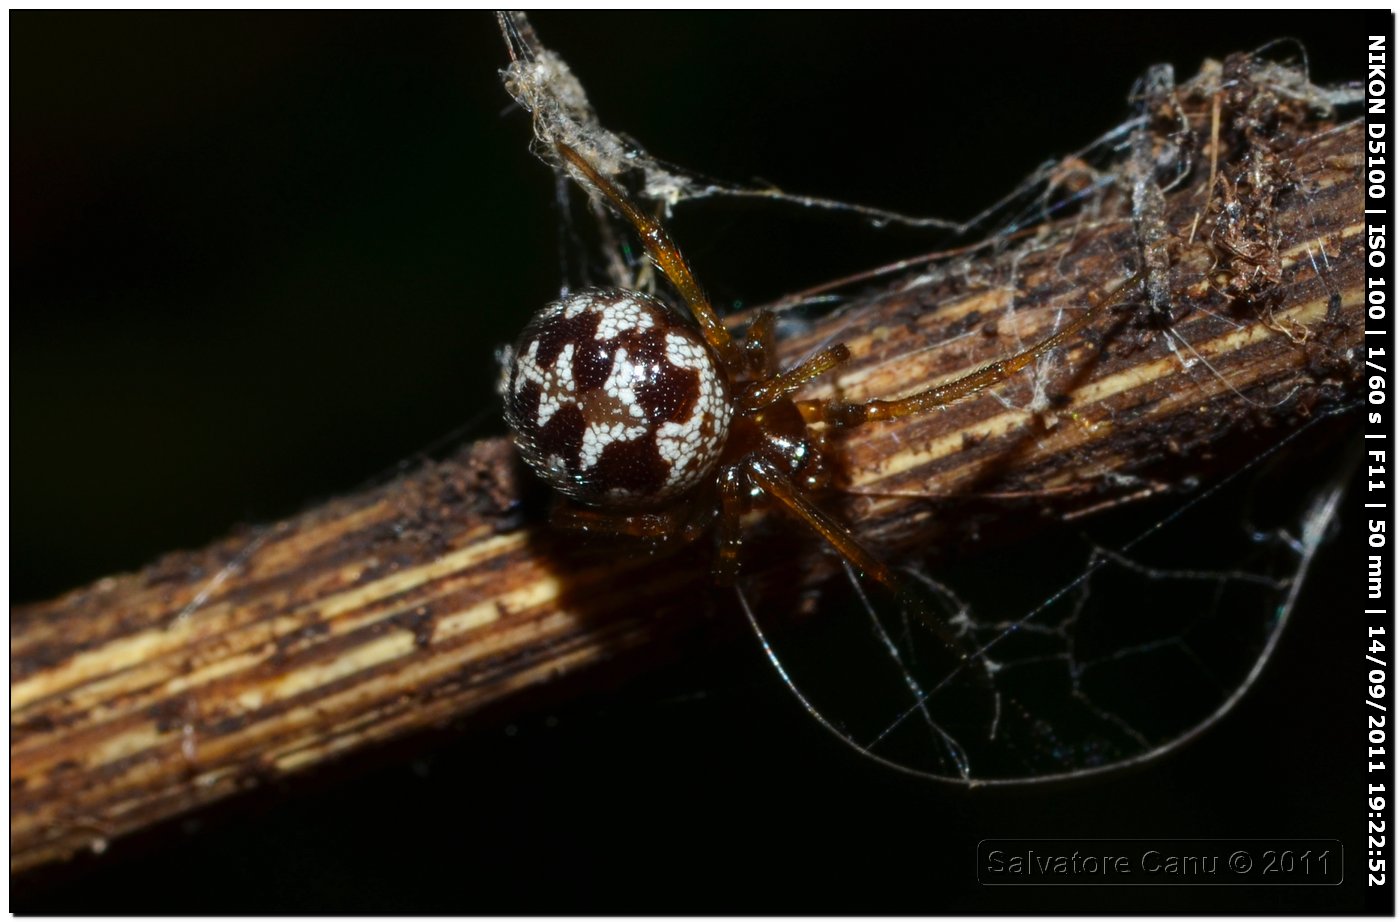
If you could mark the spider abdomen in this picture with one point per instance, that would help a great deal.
(615, 400)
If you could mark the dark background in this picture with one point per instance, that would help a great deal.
(257, 258)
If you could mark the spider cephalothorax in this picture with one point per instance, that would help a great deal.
(648, 425)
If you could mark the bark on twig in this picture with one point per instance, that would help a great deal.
(384, 613)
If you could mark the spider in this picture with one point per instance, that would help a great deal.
(651, 426)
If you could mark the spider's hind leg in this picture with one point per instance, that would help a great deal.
(679, 525)
(778, 487)
(759, 340)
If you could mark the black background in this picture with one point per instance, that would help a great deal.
(257, 258)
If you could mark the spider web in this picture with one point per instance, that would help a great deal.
(1117, 642)
(1149, 642)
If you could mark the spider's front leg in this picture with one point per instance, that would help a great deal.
(770, 390)
(841, 415)
(667, 256)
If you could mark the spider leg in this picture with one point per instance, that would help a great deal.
(730, 537)
(758, 342)
(762, 393)
(794, 501)
(844, 415)
(679, 524)
(667, 257)
(780, 488)
(777, 485)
